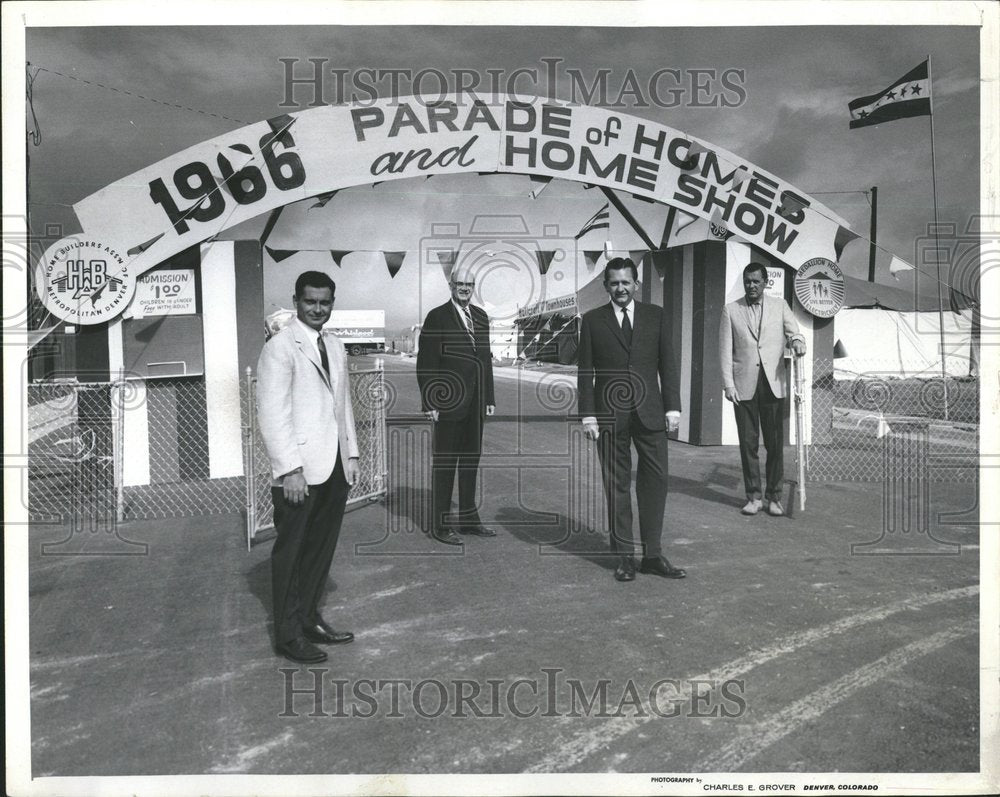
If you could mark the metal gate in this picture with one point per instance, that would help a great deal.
(368, 398)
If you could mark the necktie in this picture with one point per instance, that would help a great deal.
(322, 354)
(468, 325)
(626, 327)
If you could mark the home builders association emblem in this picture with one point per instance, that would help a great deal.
(819, 286)
(84, 282)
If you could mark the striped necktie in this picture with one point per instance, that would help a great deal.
(468, 325)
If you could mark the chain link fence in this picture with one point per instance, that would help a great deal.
(369, 400)
(103, 453)
(861, 424)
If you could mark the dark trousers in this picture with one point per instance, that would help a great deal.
(303, 552)
(615, 451)
(458, 444)
(762, 413)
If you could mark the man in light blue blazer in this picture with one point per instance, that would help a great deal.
(307, 423)
(753, 333)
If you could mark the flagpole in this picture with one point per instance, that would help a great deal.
(937, 247)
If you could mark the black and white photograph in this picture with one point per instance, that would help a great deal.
(501, 398)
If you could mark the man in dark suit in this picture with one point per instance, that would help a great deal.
(627, 390)
(307, 423)
(455, 375)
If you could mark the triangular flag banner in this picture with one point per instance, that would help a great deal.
(636, 255)
(896, 265)
(241, 148)
(323, 199)
(599, 221)
(544, 258)
(843, 238)
(740, 176)
(540, 184)
(338, 255)
(592, 257)
(790, 206)
(271, 221)
(684, 220)
(908, 96)
(135, 250)
(883, 428)
(690, 162)
(280, 124)
(393, 262)
(447, 259)
(277, 255)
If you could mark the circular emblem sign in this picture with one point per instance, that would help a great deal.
(84, 281)
(819, 285)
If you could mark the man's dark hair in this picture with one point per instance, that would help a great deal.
(618, 263)
(314, 279)
(752, 267)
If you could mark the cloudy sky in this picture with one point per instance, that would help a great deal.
(790, 117)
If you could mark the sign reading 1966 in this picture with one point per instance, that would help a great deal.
(196, 183)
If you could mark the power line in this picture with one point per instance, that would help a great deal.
(136, 95)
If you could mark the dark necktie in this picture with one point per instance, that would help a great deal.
(468, 326)
(322, 354)
(626, 327)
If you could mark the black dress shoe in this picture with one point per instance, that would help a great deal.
(625, 570)
(301, 651)
(659, 566)
(323, 634)
(447, 536)
(478, 531)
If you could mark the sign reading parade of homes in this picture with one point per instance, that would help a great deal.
(205, 189)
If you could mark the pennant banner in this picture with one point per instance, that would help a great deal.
(394, 262)
(599, 221)
(544, 258)
(323, 199)
(277, 255)
(636, 255)
(338, 255)
(592, 256)
(897, 265)
(843, 238)
(908, 96)
(540, 184)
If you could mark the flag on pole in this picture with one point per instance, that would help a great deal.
(908, 96)
(600, 220)
(896, 265)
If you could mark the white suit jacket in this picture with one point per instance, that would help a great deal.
(740, 348)
(305, 417)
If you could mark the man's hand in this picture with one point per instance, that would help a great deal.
(590, 430)
(353, 471)
(730, 394)
(490, 409)
(294, 487)
(673, 421)
(431, 415)
(799, 348)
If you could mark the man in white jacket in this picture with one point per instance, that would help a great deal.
(307, 423)
(753, 333)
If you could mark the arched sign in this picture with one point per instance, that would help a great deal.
(159, 211)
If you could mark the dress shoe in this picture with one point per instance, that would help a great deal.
(301, 651)
(625, 570)
(775, 508)
(659, 566)
(447, 536)
(752, 507)
(323, 634)
(478, 531)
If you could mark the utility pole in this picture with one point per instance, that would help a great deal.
(871, 237)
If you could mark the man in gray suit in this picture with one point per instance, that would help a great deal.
(753, 333)
(307, 423)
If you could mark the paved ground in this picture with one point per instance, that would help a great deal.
(781, 651)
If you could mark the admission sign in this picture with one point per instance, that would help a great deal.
(205, 189)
